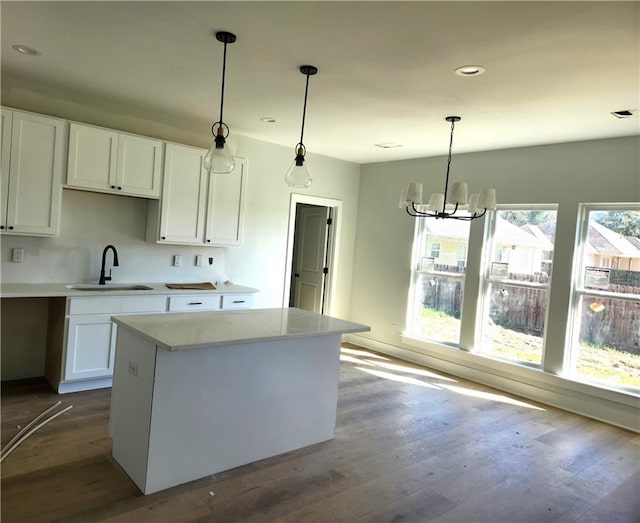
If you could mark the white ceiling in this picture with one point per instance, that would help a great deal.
(555, 70)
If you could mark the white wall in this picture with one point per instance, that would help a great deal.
(566, 174)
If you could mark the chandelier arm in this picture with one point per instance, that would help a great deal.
(416, 212)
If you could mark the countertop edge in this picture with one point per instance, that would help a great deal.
(145, 325)
(59, 290)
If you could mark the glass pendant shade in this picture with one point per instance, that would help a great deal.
(218, 158)
(298, 175)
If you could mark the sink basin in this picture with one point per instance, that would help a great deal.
(106, 288)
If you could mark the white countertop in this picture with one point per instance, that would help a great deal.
(53, 290)
(177, 331)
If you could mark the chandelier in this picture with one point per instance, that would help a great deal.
(476, 205)
(218, 158)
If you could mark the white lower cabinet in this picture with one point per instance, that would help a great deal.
(90, 337)
(89, 342)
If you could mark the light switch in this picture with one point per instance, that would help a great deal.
(177, 260)
(17, 255)
(198, 260)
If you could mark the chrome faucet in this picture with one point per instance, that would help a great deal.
(104, 278)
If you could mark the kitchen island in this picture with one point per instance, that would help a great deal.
(205, 392)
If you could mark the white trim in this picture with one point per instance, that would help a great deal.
(606, 405)
(65, 387)
(334, 244)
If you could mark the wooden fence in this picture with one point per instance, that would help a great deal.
(611, 322)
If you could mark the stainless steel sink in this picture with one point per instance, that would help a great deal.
(106, 288)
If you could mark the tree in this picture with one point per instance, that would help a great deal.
(625, 223)
(532, 217)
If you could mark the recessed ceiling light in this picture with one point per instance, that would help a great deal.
(387, 145)
(470, 70)
(25, 49)
(268, 119)
(626, 113)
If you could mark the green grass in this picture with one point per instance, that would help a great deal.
(606, 364)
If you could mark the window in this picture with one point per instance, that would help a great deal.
(605, 340)
(516, 281)
(440, 259)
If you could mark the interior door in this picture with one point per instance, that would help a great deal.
(309, 257)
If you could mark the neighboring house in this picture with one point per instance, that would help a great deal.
(611, 250)
(523, 248)
(447, 241)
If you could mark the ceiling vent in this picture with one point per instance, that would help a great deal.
(627, 113)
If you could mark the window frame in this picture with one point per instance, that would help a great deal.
(419, 246)
(578, 292)
(486, 281)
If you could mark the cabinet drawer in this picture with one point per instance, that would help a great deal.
(197, 302)
(237, 301)
(117, 304)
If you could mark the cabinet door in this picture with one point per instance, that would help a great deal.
(91, 344)
(93, 154)
(7, 118)
(182, 210)
(139, 166)
(35, 174)
(225, 208)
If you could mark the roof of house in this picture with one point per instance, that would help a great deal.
(605, 241)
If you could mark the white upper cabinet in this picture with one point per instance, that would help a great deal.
(109, 161)
(196, 207)
(32, 173)
(225, 210)
(183, 204)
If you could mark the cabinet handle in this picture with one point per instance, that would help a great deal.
(195, 303)
(238, 301)
(1, 227)
(119, 188)
(164, 238)
(10, 227)
(208, 241)
(113, 186)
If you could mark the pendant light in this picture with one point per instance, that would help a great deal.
(218, 158)
(298, 174)
(477, 204)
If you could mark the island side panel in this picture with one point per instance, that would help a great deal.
(131, 397)
(221, 407)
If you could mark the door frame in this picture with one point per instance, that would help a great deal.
(333, 244)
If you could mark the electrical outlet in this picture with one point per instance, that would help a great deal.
(210, 261)
(17, 255)
(177, 260)
(133, 368)
(198, 260)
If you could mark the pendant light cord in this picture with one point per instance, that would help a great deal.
(304, 109)
(224, 71)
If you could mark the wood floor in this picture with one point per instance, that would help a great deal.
(410, 446)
